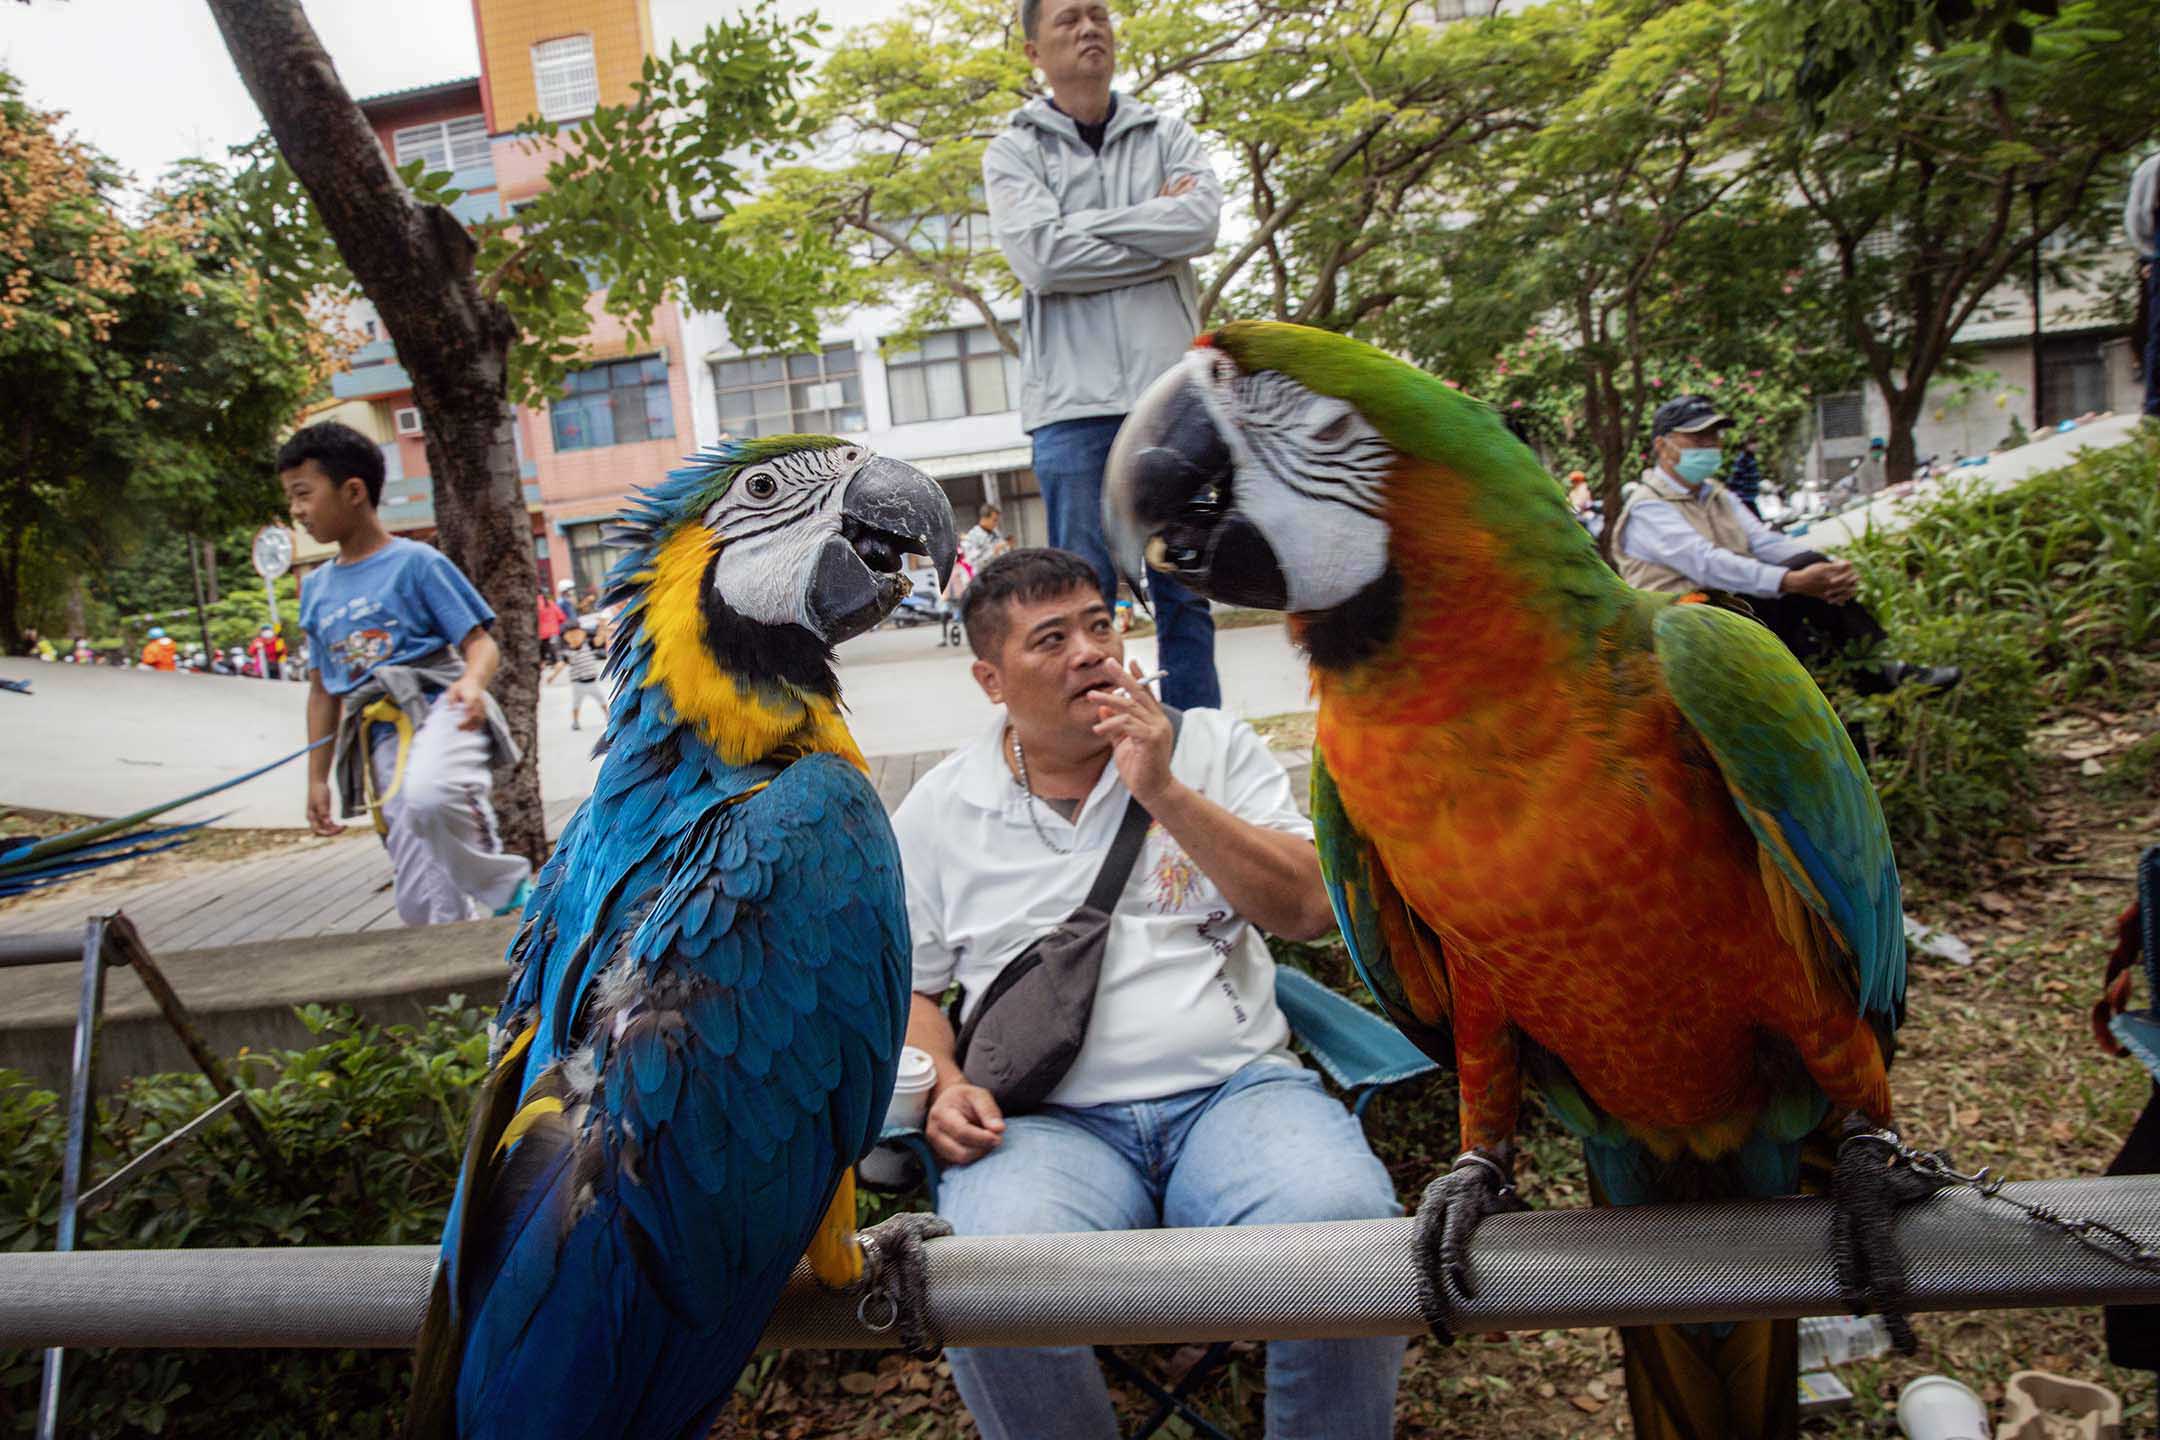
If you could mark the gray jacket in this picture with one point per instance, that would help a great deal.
(412, 688)
(2139, 208)
(1104, 255)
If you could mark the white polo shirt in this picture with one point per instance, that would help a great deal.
(1187, 995)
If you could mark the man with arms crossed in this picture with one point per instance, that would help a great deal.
(1099, 204)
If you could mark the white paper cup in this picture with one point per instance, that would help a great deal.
(1935, 1407)
(911, 1089)
(888, 1167)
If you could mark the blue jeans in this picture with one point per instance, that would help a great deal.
(1069, 457)
(1267, 1146)
(2150, 340)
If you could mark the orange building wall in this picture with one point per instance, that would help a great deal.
(521, 166)
(508, 29)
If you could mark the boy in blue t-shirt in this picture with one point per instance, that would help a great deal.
(402, 658)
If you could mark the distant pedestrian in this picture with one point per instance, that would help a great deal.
(402, 661)
(159, 652)
(1744, 480)
(2141, 222)
(266, 654)
(552, 620)
(1100, 203)
(584, 664)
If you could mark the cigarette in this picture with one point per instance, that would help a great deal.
(1150, 678)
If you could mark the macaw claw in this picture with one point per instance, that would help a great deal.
(895, 1284)
(1479, 1184)
(1876, 1177)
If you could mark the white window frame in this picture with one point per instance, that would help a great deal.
(446, 145)
(406, 419)
(566, 78)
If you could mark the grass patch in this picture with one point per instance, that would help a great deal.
(2049, 596)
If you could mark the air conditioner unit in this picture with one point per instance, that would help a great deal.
(407, 419)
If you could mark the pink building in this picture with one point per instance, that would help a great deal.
(621, 421)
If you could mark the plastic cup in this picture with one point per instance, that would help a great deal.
(1935, 1407)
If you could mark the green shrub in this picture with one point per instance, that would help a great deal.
(2043, 594)
(371, 1120)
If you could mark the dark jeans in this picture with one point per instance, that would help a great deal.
(1816, 630)
(1069, 457)
(2150, 340)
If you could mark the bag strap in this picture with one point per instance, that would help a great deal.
(1118, 865)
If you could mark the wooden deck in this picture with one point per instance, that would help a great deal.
(317, 886)
(332, 886)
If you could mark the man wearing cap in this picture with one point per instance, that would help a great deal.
(1680, 530)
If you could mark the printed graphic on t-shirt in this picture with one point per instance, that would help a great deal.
(1175, 878)
(357, 650)
(359, 634)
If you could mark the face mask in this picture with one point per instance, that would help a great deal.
(1696, 466)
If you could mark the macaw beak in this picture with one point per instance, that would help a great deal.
(889, 510)
(1170, 496)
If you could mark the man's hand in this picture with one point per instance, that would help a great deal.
(964, 1123)
(1139, 732)
(466, 692)
(320, 816)
(1834, 581)
(1178, 184)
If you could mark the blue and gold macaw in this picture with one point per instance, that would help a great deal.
(708, 993)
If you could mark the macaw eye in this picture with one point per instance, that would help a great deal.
(849, 454)
(760, 487)
(1334, 430)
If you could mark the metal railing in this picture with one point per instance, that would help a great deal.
(1548, 1269)
(108, 940)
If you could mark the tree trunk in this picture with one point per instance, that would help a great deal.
(209, 562)
(11, 562)
(416, 264)
(1901, 456)
(78, 622)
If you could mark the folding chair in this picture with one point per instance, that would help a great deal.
(1356, 1049)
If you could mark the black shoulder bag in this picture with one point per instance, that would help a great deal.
(1033, 1018)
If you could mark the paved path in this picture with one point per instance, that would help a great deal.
(100, 741)
(2050, 452)
(317, 886)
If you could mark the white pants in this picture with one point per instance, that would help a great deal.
(580, 692)
(445, 857)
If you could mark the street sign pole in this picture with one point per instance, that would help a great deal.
(272, 553)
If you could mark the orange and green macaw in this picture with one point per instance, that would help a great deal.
(1574, 832)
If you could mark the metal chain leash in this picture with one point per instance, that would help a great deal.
(2097, 1236)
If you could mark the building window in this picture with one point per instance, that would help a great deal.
(564, 80)
(819, 393)
(590, 557)
(444, 144)
(619, 403)
(1842, 417)
(955, 373)
(2073, 378)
